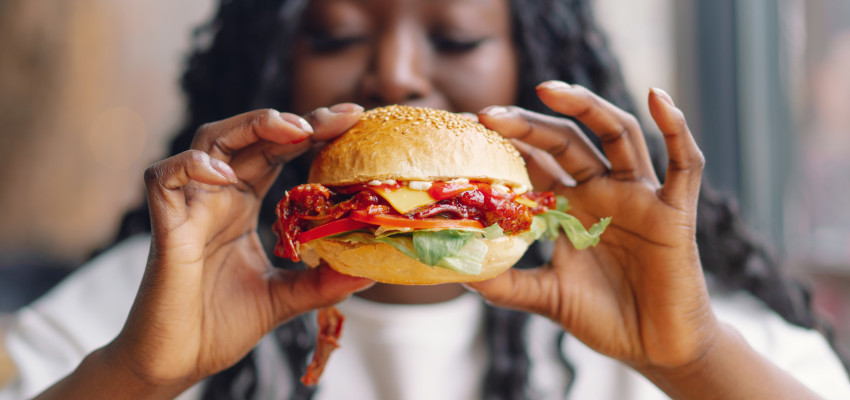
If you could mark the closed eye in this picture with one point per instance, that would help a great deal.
(326, 44)
(455, 46)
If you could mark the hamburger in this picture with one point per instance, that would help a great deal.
(418, 196)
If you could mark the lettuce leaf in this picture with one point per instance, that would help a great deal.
(493, 232)
(549, 225)
(401, 242)
(468, 260)
(463, 250)
(457, 250)
(580, 237)
(433, 246)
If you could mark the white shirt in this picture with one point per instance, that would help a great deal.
(408, 352)
(388, 352)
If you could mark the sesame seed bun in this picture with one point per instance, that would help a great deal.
(405, 143)
(419, 144)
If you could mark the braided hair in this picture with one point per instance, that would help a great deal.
(241, 61)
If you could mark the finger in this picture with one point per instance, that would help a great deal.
(686, 161)
(164, 180)
(545, 172)
(296, 292)
(328, 123)
(175, 172)
(519, 289)
(259, 165)
(223, 138)
(559, 137)
(622, 139)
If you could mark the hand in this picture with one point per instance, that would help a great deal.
(640, 295)
(209, 293)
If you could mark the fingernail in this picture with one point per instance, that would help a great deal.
(663, 96)
(346, 108)
(469, 116)
(565, 178)
(553, 85)
(222, 168)
(298, 122)
(495, 111)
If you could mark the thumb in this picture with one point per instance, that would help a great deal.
(538, 290)
(297, 292)
(525, 290)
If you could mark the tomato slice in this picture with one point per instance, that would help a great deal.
(331, 228)
(397, 221)
(446, 190)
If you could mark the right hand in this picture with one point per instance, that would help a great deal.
(639, 296)
(209, 292)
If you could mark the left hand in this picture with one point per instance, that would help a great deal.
(640, 295)
(209, 292)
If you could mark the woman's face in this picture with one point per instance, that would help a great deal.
(456, 55)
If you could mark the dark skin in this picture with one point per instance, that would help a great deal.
(209, 293)
(452, 55)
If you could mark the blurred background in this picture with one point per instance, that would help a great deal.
(89, 96)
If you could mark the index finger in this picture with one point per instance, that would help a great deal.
(221, 139)
(620, 132)
(559, 137)
(258, 164)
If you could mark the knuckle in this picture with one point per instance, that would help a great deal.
(195, 157)
(699, 160)
(679, 121)
(590, 102)
(617, 133)
(630, 122)
(204, 129)
(262, 117)
(152, 173)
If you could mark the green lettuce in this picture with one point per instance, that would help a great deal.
(458, 250)
(433, 246)
(468, 259)
(580, 237)
(463, 250)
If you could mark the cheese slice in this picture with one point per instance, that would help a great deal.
(405, 199)
(526, 201)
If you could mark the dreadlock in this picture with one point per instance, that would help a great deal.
(241, 62)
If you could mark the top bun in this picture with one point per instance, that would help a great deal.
(406, 143)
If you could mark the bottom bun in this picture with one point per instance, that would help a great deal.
(383, 263)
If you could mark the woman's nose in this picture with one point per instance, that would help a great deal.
(399, 69)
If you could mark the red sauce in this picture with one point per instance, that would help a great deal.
(446, 190)
(306, 206)
(488, 206)
(310, 205)
(545, 201)
(351, 189)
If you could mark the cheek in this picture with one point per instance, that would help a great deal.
(324, 81)
(488, 77)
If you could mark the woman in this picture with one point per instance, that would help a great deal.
(208, 295)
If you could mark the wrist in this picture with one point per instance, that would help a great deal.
(104, 374)
(711, 369)
(729, 368)
(123, 370)
(697, 368)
